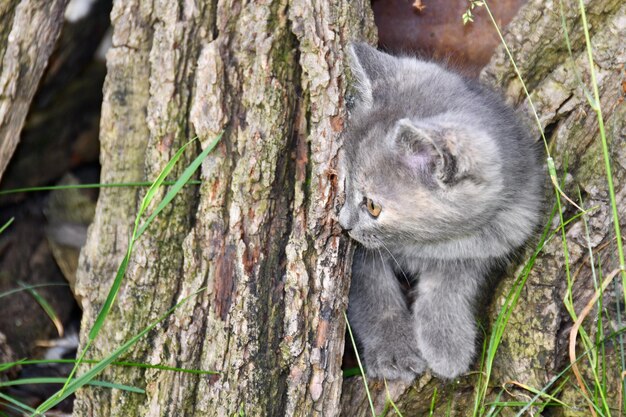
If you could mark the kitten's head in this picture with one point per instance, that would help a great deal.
(408, 180)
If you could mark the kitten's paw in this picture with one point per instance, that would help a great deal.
(393, 355)
(449, 352)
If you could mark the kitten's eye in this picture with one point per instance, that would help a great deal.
(373, 209)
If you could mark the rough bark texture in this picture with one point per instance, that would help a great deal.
(28, 32)
(259, 232)
(534, 347)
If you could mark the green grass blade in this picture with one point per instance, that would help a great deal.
(620, 343)
(568, 44)
(7, 224)
(433, 401)
(393, 404)
(18, 404)
(605, 147)
(46, 307)
(8, 365)
(89, 186)
(480, 380)
(100, 366)
(495, 407)
(27, 287)
(186, 175)
(147, 199)
(598, 362)
(108, 303)
(61, 380)
(358, 359)
(519, 75)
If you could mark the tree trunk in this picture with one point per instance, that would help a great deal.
(28, 32)
(259, 231)
(535, 344)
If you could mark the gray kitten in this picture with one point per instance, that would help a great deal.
(443, 183)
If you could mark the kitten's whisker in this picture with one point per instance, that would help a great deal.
(370, 252)
(394, 259)
(382, 260)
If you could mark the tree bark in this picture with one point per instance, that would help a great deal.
(28, 32)
(535, 344)
(259, 231)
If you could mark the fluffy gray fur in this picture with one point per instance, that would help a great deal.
(460, 183)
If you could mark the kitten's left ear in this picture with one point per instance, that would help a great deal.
(428, 150)
(369, 65)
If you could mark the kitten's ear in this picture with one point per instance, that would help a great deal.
(426, 151)
(368, 65)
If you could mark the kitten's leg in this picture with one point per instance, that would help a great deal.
(444, 317)
(381, 320)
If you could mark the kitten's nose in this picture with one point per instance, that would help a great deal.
(344, 219)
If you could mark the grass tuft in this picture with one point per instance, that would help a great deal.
(139, 230)
(71, 384)
(74, 384)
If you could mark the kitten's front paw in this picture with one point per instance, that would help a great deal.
(393, 354)
(449, 351)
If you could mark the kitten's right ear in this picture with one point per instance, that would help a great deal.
(368, 65)
(425, 150)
